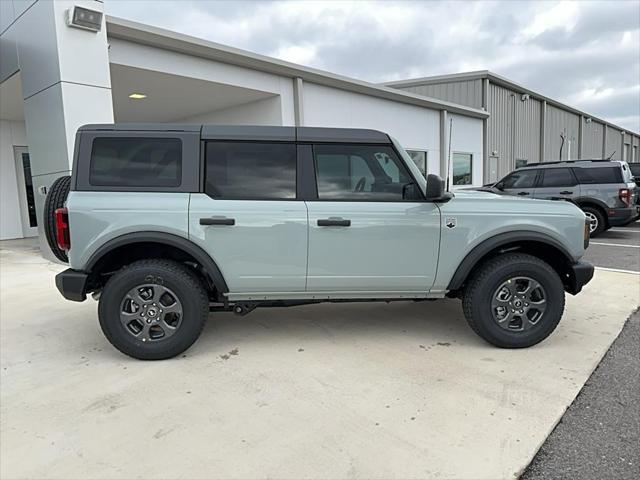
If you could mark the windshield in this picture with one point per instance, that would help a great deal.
(415, 171)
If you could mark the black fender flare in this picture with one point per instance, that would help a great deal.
(486, 246)
(202, 257)
(593, 201)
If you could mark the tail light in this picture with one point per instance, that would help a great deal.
(625, 196)
(62, 229)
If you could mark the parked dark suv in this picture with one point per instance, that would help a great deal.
(603, 189)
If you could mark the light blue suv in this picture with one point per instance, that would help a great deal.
(167, 223)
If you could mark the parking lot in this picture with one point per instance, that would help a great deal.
(403, 390)
(617, 248)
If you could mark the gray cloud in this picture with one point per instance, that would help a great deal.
(572, 52)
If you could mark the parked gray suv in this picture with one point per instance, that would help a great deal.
(604, 189)
(166, 223)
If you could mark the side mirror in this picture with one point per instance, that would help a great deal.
(435, 187)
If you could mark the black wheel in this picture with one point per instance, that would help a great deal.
(597, 222)
(153, 309)
(514, 300)
(56, 198)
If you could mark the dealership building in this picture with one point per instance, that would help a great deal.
(64, 64)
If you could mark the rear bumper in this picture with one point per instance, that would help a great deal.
(72, 284)
(618, 217)
(580, 274)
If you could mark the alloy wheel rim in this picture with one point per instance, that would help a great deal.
(151, 312)
(593, 221)
(518, 304)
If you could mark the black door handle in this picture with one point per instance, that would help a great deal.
(334, 222)
(217, 221)
(523, 193)
(566, 192)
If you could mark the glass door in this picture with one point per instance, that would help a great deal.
(26, 193)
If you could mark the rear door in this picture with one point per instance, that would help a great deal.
(367, 231)
(249, 219)
(558, 183)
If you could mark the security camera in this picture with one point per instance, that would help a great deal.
(80, 17)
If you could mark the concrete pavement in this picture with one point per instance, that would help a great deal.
(404, 390)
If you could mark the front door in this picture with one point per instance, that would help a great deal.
(520, 182)
(26, 196)
(249, 220)
(368, 231)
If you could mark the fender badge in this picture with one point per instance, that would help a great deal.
(451, 222)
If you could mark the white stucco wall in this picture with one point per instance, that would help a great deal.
(261, 112)
(466, 137)
(12, 134)
(416, 128)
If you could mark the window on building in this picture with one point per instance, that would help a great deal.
(361, 172)
(136, 162)
(248, 170)
(462, 163)
(521, 162)
(558, 177)
(420, 159)
(519, 179)
(598, 175)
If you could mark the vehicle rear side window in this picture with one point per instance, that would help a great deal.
(136, 162)
(558, 177)
(598, 175)
(249, 170)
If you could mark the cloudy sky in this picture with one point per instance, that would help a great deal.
(586, 54)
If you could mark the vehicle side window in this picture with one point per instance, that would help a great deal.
(136, 162)
(598, 175)
(520, 179)
(249, 170)
(558, 177)
(361, 172)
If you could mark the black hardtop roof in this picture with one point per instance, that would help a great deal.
(561, 163)
(253, 132)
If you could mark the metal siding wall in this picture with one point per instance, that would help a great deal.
(614, 143)
(628, 141)
(528, 129)
(467, 93)
(560, 121)
(592, 139)
(513, 128)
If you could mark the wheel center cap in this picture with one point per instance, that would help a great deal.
(151, 312)
(517, 303)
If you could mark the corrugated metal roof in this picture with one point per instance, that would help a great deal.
(498, 80)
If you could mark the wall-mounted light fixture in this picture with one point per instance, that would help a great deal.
(80, 17)
(524, 97)
(137, 96)
(588, 119)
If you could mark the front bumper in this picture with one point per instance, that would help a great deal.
(579, 275)
(619, 217)
(73, 284)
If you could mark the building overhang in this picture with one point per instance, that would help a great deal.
(165, 39)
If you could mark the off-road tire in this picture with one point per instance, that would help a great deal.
(478, 294)
(188, 288)
(599, 217)
(56, 198)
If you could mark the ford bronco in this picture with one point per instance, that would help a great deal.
(164, 224)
